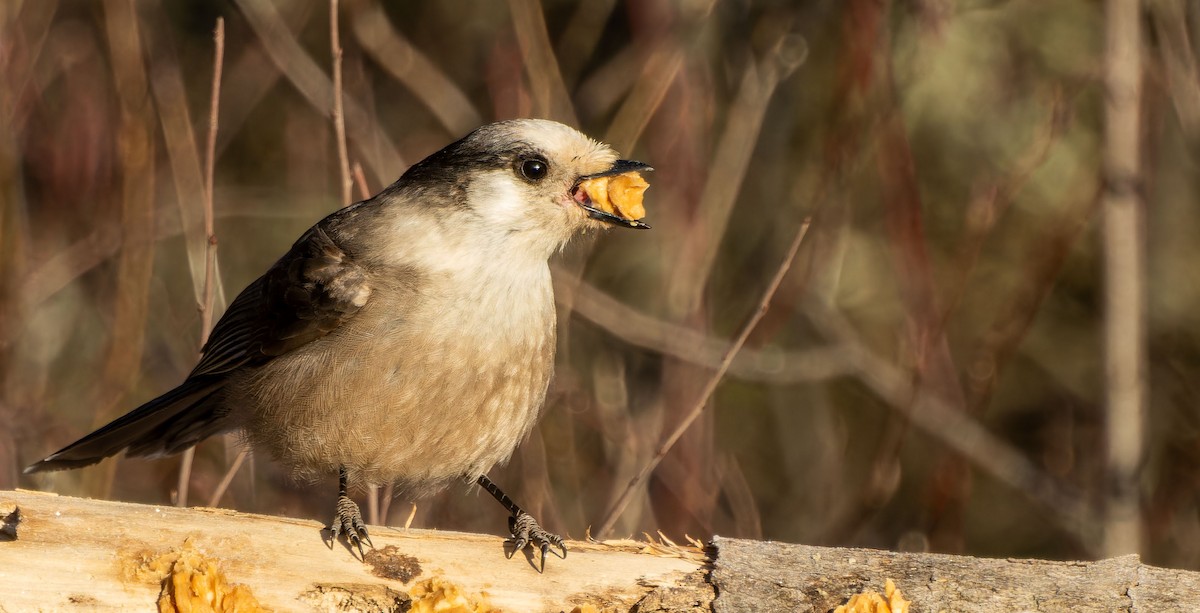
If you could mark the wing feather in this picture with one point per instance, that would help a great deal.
(307, 294)
(311, 291)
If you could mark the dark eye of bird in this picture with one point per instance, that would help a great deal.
(534, 169)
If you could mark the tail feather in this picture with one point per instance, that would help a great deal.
(168, 424)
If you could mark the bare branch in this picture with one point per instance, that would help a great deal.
(550, 98)
(1124, 245)
(360, 179)
(408, 65)
(659, 72)
(957, 430)
(210, 255)
(729, 166)
(641, 330)
(339, 118)
(619, 506)
(210, 252)
(215, 499)
(306, 75)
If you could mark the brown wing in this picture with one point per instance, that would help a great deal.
(307, 294)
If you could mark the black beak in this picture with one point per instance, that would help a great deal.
(619, 167)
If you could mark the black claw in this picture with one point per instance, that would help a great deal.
(526, 531)
(347, 520)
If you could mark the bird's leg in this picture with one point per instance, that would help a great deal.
(347, 519)
(524, 528)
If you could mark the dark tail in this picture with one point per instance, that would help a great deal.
(168, 424)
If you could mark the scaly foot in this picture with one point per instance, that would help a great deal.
(524, 528)
(526, 531)
(347, 519)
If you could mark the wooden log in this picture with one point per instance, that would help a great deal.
(764, 576)
(59, 553)
(69, 554)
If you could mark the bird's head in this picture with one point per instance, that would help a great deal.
(530, 179)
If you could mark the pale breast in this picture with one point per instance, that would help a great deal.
(424, 386)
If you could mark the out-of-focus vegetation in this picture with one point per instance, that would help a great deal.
(929, 375)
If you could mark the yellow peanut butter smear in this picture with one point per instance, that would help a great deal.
(620, 195)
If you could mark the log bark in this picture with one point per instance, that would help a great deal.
(764, 576)
(70, 554)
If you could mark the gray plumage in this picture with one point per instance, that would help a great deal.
(406, 339)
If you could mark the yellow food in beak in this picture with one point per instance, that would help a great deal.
(619, 195)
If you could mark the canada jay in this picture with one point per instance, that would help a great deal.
(406, 339)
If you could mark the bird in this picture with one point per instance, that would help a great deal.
(408, 338)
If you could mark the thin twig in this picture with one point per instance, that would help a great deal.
(958, 430)
(411, 515)
(281, 45)
(135, 260)
(642, 330)
(385, 502)
(396, 55)
(734, 151)
(711, 386)
(252, 75)
(372, 501)
(185, 150)
(550, 96)
(215, 499)
(660, 68)
(360, 179)
(210, 252)
(339, 118)
(578, 40)
(1124, 280)
(1178, 62)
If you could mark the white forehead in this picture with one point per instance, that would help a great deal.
(562, 143)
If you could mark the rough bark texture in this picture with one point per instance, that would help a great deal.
(765, 576)
(70, 554)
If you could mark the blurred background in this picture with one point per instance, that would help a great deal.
(929, 374)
